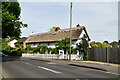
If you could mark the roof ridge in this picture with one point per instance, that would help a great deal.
(62, 30)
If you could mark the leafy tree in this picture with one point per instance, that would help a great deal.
(43, 49)
(4, 45)
(114, 44)
(94, 45)
(63, 44)
(82, 47)
(106, 42)
(104, 45)
(18, 45)
(54, 51)
(29, 49)
(74, 51)
(11, 23)
(35, 49)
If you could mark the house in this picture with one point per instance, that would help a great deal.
(12, 43)
(21, 41)
(49, 38)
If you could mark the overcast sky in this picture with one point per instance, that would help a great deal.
(100, 18)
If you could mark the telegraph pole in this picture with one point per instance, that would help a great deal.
(70, 29)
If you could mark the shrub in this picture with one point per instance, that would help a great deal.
(43, 49)
(16, 53)
(54, 51)
(94, 45)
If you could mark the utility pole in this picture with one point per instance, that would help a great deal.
(70, 29)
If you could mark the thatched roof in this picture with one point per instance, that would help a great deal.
(57, 35)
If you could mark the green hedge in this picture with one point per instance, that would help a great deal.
(12, 52)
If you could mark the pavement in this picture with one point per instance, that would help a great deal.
(19, 67)
(108, 67)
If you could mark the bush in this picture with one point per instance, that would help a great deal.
(6, 52)
(94, 45)
(74, 51)
(12, 52)
(54, 51)
(16, 53)
(43, 49)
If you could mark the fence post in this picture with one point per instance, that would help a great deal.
(107, 54)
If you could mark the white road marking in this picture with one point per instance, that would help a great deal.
(57, 72)
(50, 63)
(27, 63)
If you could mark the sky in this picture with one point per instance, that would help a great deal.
(99, 18)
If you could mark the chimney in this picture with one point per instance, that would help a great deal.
(32, 33)
(78, 25)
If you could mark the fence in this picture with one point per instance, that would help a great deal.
(53, 56)
(109, 55)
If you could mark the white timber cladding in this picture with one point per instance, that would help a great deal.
(79, 39)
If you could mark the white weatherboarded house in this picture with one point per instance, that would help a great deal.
(50, 38)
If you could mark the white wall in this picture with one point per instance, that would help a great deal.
(12, 43)
(51, 45)
(52, 56)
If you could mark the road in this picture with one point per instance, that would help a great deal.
(26, 68)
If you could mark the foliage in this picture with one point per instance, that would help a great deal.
(74, 51)
(94, 45)
(29, 49)
(15, 52)
(35, 49)
(63, 44)
(54, 51)
(4, 45)
(6, 49)
(54, 28)
(82, 47)
(114, 44)
(43, 49)
(11, 23)
(104, 45)
(19, 46)
(49, 50)
(106, 42)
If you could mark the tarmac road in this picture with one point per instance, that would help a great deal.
(27, 68)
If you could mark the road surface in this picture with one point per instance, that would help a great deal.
(26, 68)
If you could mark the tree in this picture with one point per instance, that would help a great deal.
(43, 49)
(4, 45)
(54, 28)
(11, 23)
(63, 44)
(83, 47)
(104, 45)
(106, 42)
(114, 44)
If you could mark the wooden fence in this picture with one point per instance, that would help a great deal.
(109, 55)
